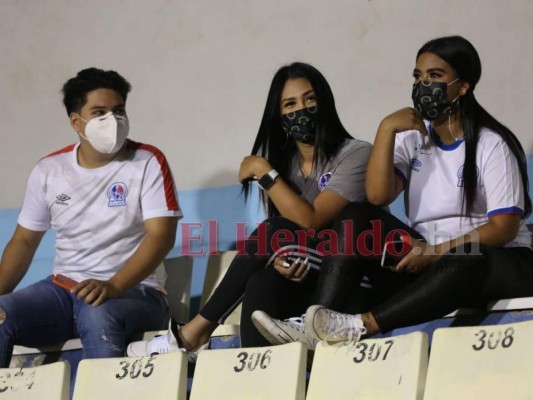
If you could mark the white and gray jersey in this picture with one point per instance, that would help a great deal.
(343, 174)
(433, 177)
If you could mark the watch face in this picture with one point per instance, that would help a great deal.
(266, 181)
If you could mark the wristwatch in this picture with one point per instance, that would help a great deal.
(268, 179)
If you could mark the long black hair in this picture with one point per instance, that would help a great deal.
(273, 143)
(464, 59)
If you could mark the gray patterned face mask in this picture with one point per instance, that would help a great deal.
(431, 99)
(301, 124)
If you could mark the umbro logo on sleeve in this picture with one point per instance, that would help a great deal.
(62, 199)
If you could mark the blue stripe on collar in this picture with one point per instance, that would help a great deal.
(442, 146)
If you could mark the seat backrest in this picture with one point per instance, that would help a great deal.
(217, 265)
(178, 286)
(45, 382)
(518, 303)
(481, 362)
(387, 368)
(158, 377)
(276, 372)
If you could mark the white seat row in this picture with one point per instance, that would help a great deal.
(482, 362)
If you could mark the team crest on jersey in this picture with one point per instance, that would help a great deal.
(415, 164)
(117, 194)
(460, 181)
(324, 180)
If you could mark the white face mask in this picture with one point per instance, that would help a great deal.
(107, 133)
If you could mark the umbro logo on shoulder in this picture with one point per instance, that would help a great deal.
(62, 199)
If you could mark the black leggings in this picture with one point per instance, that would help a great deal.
(467, 276)
(252, 279)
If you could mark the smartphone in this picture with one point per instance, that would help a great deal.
(393, 252)
(64, 281)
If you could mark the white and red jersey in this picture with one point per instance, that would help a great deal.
(98, 214)
(433, 176)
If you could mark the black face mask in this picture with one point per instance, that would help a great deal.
(431, 99)
(301, 124)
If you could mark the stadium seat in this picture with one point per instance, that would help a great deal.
(158, 377)
(390, 368)
(45, 382)
(276, 372)
(481, 362)
(178, 286)
(519, 303)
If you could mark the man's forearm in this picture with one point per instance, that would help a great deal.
(148, 256)
(15, 262)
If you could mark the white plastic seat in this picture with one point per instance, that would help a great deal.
(45, 382)
(481, 362)
(217, 265)
(178, 286)
(266, 373)
(158, 377)
(519, 303)
(388, 368)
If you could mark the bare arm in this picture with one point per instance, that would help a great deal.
(498, 231)
(17, 257)
(158, 241)
(322, 212)
(383, 185)
(328, 204)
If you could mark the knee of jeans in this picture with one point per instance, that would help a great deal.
(100, 328)
(93, 319)
(2, 315)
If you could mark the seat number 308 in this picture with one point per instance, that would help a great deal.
(494, 339)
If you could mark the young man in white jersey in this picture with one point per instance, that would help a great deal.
(113, 205)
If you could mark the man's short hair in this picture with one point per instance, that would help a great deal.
(75, 89)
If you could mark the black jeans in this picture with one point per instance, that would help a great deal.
(467, 276)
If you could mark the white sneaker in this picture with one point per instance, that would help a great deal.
(331, 326)
(281, 332)
(162, 344)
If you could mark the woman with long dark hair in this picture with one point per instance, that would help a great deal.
(308, 168)
(465, 186)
